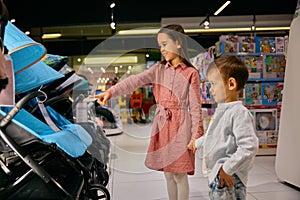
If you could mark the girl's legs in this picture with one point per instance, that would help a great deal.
(171, 186)
(177, 185)
(182, 186)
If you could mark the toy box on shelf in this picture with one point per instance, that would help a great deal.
(267, 45)
(237, 44)
(274, 66)
(267, 139)
(253, 94)
(273, 44)
(249, 44)
(265, 119)
(227, 44)
(272, 93)
(255, 64)
(264, 93)
(266, 127)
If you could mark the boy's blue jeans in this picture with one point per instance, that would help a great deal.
(237, 192)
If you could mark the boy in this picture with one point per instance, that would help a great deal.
(230, 143)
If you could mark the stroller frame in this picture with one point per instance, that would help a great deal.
(37, 172)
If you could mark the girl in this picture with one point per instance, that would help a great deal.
(178, 117)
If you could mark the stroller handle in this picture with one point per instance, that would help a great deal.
(19, 105)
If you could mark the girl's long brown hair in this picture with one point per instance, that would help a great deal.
(176, 33)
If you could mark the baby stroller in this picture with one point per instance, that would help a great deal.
(43, 155)
(38, 163)
(111, 124)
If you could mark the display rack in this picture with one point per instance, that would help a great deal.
(263, 95)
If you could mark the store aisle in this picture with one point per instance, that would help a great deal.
(131, 180)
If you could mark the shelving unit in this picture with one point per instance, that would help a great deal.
(263, 96)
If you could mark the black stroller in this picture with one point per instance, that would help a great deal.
(44, 155)
(41, 165)
(40, 161)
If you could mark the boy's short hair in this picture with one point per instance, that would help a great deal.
(231, 66)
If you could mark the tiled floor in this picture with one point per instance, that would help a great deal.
(131, 180)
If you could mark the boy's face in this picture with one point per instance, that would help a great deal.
(217, 88)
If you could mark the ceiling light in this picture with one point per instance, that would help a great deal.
(205, 22)
(102, 69)
(112, 5)
(51, 35)
(272, 28)
(113, 25)
(222, 7)
(90, 70)
(110, 59)
(138, 31)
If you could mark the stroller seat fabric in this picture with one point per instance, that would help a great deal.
(73, 139)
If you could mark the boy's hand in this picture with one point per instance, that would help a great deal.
(191, 146)
(102, 98)
(227, 178)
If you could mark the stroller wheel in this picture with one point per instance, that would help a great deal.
(98, 192)
(99, 175)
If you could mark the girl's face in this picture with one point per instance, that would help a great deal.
(217, 88)
(168, 47)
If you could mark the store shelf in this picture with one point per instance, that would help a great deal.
(265, 80)
(266, 151)
(254, 54)
(264, 93)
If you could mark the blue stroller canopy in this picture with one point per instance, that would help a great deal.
(23, 50)
(72, 138)
(35, 76)
(30, 71)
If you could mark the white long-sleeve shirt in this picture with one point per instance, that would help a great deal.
(230, 141)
